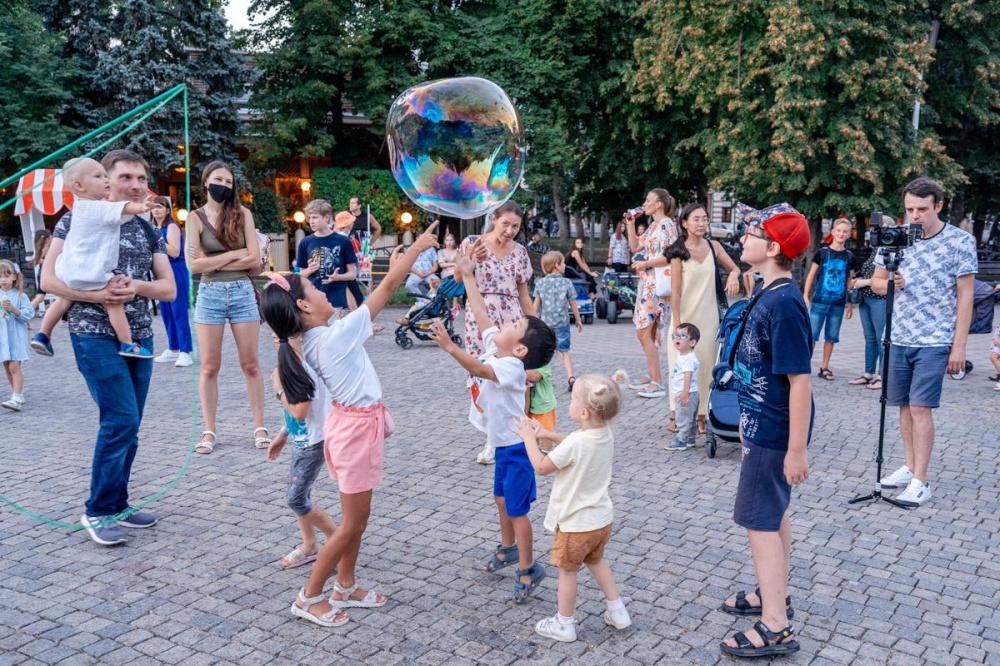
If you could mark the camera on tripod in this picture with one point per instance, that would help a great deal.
(893, 238)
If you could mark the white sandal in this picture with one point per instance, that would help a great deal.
(332, 618)
(261, 442)
(206, 446)
(370, 600)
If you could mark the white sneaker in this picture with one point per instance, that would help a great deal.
(916, 493)
(166, 357)
(184, 360)
(618, 618)
(652, 390)
(552, 627)
(897, 479)
(13, 404)
(997, 387)
(485, 457)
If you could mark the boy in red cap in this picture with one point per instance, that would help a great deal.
(771, 364)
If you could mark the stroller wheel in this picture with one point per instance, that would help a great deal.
(457, 339)
(713, 445)
(403, 340)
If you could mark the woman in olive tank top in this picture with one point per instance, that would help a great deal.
(222, 250)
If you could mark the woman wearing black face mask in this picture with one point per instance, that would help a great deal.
(223, 249)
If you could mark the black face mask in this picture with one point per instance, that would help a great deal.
(221, 193)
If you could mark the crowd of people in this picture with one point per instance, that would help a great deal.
(335, 416)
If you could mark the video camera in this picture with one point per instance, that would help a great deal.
(893, 238)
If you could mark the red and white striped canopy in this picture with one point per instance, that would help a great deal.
(42, 189)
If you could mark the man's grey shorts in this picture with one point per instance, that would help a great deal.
(915, 375)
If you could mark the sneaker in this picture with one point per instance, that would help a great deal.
(13, 404)
(167, 357)
(108, 535)
(618, 618)
(485, 457)
(997, 387)
(677, 445)
(184, 360)
(554, 628)
(42, 345)
(134, 350)
(139, 520)
(652, 390)
(897, 479)
(916, 493)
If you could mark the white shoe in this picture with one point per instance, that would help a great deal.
(618, 618)
(485, 457)
(652, 390)
(184, 360)
(552, 627)
(897, 479)
(166, 357)
(997, 387)
(916, 493)
(13, 404)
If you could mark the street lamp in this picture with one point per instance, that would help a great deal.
(182, 215)
(299, 216)
(406, 218)
(306, 187)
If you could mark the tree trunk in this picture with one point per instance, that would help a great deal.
(557, 204)
(816, 231)
(956, 212)
(605, 222)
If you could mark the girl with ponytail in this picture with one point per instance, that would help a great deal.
(356, 425)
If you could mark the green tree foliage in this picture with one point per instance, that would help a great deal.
(376, 188)
(36, 85)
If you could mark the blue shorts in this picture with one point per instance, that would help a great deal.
(514, 479)
(915, 375)
(833, 315)
(763, 494)
(219, 302)
(562, 332)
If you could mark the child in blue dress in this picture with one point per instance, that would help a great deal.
(15, 313)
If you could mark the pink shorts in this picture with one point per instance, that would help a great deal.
(354, 438)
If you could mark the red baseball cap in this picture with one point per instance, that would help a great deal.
(790, 231)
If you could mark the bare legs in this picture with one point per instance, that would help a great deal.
(210, 348)
(14, 377)
(247, 336)
(567, 586)
(917, 427)
(647, 339)
(516, 530)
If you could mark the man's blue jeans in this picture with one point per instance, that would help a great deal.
(872, 312)
(118, 385)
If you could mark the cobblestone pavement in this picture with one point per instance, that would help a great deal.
(871, 584)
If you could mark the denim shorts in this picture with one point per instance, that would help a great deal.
(306, 464)
(514, 479)
(915, 375)
(833, 315)
(763, 493)
(562, 332)
(219, 302)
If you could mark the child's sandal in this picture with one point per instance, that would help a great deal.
(370, 600)
(773, 645)
(510, 556)
(334, 617)
(261, 442)
(522, 591)
(206, 445)
(297, 557)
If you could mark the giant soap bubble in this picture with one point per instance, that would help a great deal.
(456, 146)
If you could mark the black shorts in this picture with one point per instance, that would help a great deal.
(355, 289)
(763, 494)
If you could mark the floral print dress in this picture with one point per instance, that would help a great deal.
(497, 279)
(649, 308)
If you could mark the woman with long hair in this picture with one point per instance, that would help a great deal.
(502, 273)
(618, 250)
(578, 268)
(651, 312)
(223, 250)
(694, 298)
(174, 313)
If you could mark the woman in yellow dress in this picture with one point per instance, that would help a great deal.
(694, 262)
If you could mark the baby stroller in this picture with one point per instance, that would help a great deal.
(420, 321)
(583, 302)
(617, 294)
(723, 408)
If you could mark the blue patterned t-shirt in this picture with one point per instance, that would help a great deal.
(831, 280)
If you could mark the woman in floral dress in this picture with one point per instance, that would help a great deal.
(502, 273)
(651, 313)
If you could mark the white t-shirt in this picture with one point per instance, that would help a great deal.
(496, 407)
(580, 501)
(336, 352)
(90, 251)
(318, 408)
(686, 363)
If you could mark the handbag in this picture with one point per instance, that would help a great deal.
(854, 296)
(720, 292)
(661, 281)
(263, 242)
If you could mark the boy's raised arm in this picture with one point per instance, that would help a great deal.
(399, 267)
(470, 363)
(466, 269)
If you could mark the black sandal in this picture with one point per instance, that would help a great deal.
(773, 645)
(571, 381)
(743, 607)
(825, 373)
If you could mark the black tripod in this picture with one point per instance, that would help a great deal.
(891, 258)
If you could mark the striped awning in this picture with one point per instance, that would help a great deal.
(42, 189)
